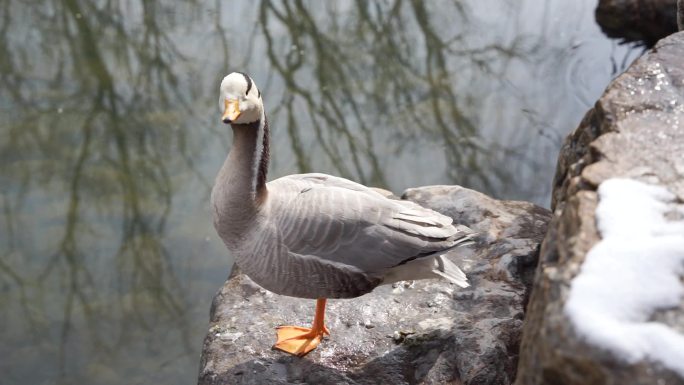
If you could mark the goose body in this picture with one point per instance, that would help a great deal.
(316, 235)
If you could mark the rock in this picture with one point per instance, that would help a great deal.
(636, 130)
(637, 20)
(427, 332)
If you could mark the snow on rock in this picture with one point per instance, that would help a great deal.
(634, 270)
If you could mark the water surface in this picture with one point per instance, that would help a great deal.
(110, 139)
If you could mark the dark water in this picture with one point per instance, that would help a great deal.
(110, 139)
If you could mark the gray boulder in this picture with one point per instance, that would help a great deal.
(635, 130)
(427, 332)
(646, 21)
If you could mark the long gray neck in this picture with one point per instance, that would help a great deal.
(241, 183)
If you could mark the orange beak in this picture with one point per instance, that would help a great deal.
(231, 111)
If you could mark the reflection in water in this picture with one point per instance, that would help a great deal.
(108, 142)
(91, 152)
(415, 97)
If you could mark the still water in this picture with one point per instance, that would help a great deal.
(110, 139)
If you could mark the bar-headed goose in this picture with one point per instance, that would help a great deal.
(316, 235)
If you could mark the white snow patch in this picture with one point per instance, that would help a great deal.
(635, 269)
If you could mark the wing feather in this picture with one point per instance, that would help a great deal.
(342, 221)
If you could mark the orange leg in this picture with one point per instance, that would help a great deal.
(299, 340)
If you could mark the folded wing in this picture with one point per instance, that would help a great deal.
(342, 221)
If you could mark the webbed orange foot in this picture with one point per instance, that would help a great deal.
(298, 340)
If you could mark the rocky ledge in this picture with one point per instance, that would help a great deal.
(427, 332)
(635, 131)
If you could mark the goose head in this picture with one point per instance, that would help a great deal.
(240, 100)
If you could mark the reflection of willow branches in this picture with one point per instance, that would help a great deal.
(6, 271)
(140, 240)
(325, 110)
(12, 275)
(150, 65)
(78, 275)
(220, 31)
(7, 68)
(422, 92)
(113, 158)
(303, 162)
(457, 131)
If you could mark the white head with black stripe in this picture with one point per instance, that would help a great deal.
(240, 100)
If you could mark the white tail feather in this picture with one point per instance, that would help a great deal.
(450, 271)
